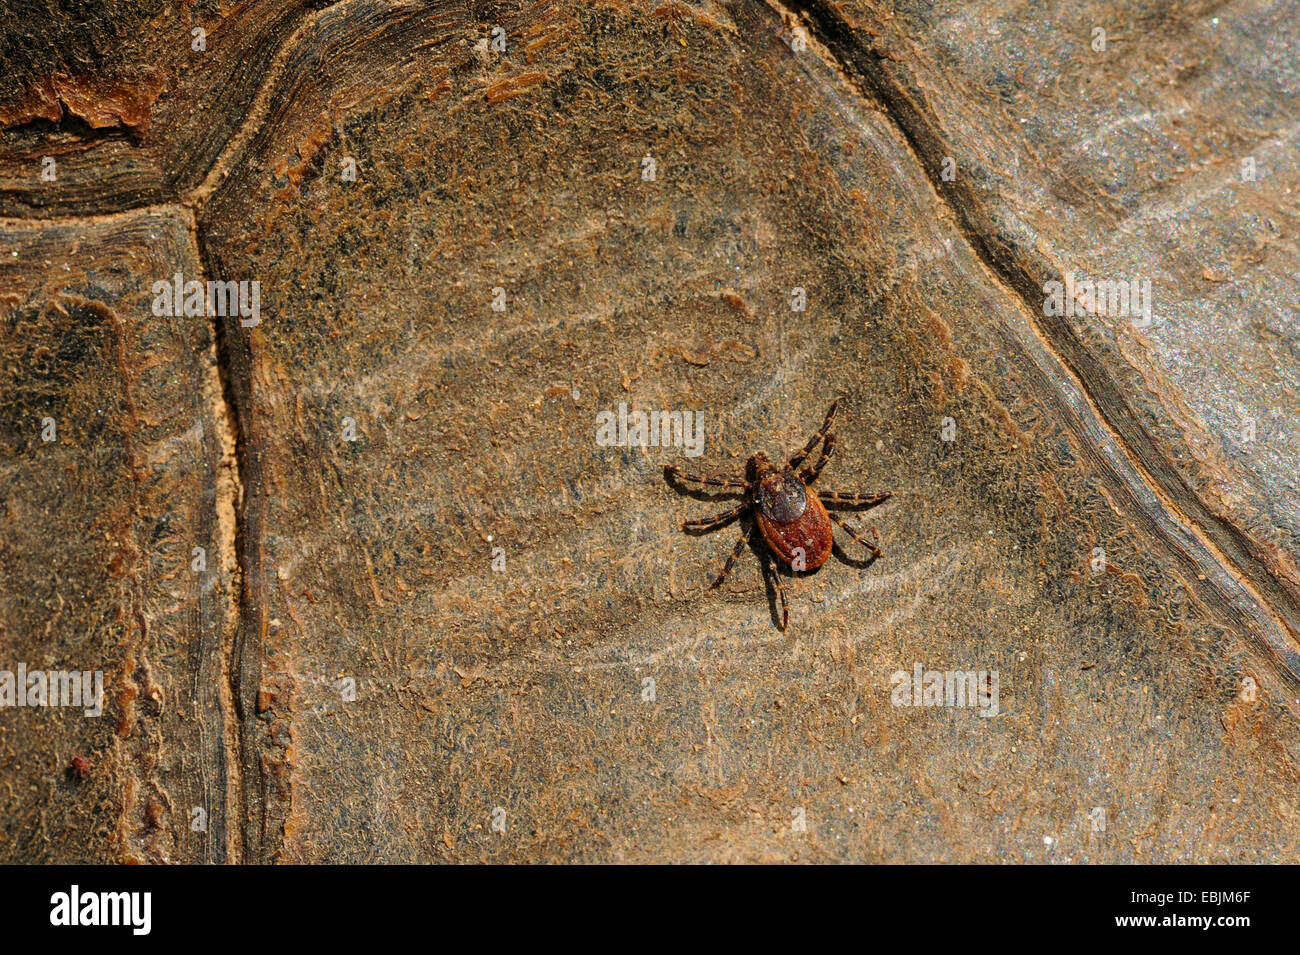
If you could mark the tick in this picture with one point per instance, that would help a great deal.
(793, 521)
(79, 768)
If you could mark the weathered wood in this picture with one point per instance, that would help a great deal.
(1070, 509)
(101, 513)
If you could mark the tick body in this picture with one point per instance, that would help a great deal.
(791, 517)
(792, 520)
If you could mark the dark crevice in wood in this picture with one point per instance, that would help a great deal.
(244, 660)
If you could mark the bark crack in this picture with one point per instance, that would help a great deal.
(231, 496)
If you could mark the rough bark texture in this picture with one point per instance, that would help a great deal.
(921, 171)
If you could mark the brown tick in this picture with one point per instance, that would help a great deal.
(792, 519)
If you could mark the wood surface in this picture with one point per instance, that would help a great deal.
(351, 679)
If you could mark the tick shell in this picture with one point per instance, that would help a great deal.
(807, 535)
(782, 496)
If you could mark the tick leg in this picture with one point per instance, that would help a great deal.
(769, 567)
(731, 561)
(808, 475)
(717, 520)
(821, 433)
(875, 551)
(715, 480)
(850, 499)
